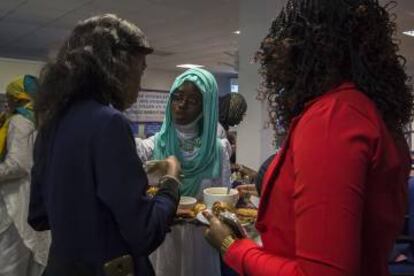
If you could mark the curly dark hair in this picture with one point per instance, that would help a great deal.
(232, 108)
(93, 63)
(315, 45)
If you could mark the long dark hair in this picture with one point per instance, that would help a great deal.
(315, 45)
(92, 63)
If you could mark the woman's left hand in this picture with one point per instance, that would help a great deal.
(246, 190)
(217, 231)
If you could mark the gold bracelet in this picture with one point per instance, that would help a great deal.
(227, 242)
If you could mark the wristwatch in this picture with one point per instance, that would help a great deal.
(227, 242)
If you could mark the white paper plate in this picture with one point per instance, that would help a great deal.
(255, 201)
(202, 219)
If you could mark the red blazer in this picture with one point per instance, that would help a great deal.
(334, 199)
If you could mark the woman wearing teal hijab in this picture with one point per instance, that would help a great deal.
(189, 132)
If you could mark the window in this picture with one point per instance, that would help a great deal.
(234, 85)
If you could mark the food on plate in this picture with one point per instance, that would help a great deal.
(191, 213)
(199, 207)
(247, 212)
(246, 215)
(220, 207)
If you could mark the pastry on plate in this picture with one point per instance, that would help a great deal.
(199, 207)
(246, 215)
(220, 207)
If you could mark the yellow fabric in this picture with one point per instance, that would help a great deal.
(18, 90)
(3, 136)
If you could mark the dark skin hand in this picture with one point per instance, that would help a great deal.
(246, 190)
(245, 171)
(169, 166)
(217, 231)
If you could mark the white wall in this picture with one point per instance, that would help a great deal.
(223, 82)
(158, 79)
(12, 68)
(254, 143)
(153, 78)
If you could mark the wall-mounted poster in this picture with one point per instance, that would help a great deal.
(150, 107)
(147, 114)
(151, 128)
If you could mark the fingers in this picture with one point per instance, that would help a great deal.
(212, 219)
(154, 166)
(207, 215)
(251, 187)
(247, 189)
(173, 166)
(245, 186)
(241, 189)
(173, 159)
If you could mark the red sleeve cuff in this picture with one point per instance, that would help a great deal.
(235, 254)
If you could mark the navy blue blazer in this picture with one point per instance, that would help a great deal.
(88, 188)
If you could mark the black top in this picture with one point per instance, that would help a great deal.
(261, 173)
(88, 187)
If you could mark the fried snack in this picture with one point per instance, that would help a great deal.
(199, 207)
(247, 212)
(220, 207)
(246, 215)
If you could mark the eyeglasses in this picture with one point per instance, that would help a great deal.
(178, 98)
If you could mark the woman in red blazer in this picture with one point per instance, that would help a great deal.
(334, 198)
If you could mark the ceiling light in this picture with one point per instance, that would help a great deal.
(237, 32)
(409, 33)
(190, 66)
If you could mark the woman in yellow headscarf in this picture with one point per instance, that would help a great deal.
(22, 251)
(19, 101)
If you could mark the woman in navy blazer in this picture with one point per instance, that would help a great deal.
(88, 184)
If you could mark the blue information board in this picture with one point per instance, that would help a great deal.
(151, 128)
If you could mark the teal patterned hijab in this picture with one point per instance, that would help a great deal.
(207, 162)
